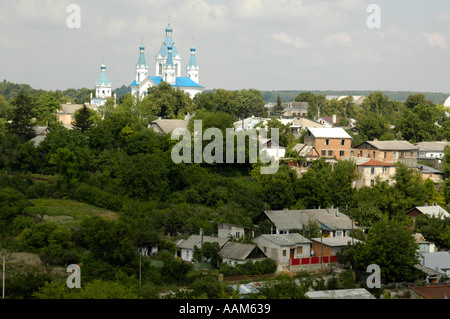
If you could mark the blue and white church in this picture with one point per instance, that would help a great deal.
(168, 69)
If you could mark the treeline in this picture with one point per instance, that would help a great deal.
(116, 162)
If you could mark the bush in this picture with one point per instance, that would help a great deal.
(97, 197)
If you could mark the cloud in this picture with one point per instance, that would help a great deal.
(435, 39)
(340, 38)
(287, 39)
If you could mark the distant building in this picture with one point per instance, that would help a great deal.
(356, 293)
(386, 151)
(233, 253)
(233, 231)
(370, 170)
(283, 247)
(300, 124)
(332, 222)
(431, 211)
(330, 246)
(187, 246)
(167, 69)
(103, 89)
(331, 143)
(294, 109)
(66, 115)
(166, 126)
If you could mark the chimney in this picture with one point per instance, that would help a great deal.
(337, 211)
(334, 118)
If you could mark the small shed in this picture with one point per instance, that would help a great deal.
(330, 246)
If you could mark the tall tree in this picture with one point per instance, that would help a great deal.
(84, 118)
(21, 123)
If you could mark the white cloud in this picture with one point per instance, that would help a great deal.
(435, 39)
(287, 39)
(340, 38)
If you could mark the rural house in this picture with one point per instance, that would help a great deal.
(187, 246)
(284, 247)
(233, 231)
(370, 170)
(332, 222)
(331, 143)
(386, 151)
(431, 210)
(238, 253)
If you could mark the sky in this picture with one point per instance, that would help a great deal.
(401, 45)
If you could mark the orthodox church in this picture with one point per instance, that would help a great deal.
(103, 88)
(168, 69)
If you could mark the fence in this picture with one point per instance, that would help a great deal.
(312, 260)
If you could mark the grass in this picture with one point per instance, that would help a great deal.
(65, 211)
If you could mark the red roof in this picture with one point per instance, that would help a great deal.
(433, 292)
(374, 162)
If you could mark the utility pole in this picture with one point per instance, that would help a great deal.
(140, 269)
(3, 273)
(201, 255)
(321, 250)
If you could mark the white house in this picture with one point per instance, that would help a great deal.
(187, 246)
(283, 247)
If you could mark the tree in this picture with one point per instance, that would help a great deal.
(20, 118)
(210, 252)
(84, 118)
(278, 108)
(372, 125)
(44, 109)
(390, 246)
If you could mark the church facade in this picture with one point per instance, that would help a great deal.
(168, 69)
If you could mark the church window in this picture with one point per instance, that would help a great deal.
(160, 68)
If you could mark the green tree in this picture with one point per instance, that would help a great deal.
(20, 118)
(278, 108)
(390, 246)
(84, 118)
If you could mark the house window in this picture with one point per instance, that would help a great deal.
(323, 153)
(342, 142)
(385, 154)
(385, 170)
(265, 250)
(372, 170)
(327, 142)
(284, 252)
(341, 153)
(373, 153)
(395, 155)
(186, 254)
(339, 233)
(237, 235)
(299, 250)
(330, 153)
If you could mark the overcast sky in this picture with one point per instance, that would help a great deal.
(241, 44)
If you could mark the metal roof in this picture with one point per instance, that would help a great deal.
(391, 145)
(358, 293)
(328, 132)
(336, 241)
(433, 211)
(195, 240)
(285, 239)
(330, 219)
(179, 82)
(432, 146)
(239, 251)
(440, 261)
(168, 125)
